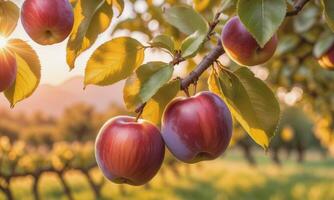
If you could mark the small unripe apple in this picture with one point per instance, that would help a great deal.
(327, 60)
(47, 21)
(241, 46)
(197, 128)
(129, 151)
(8, 69)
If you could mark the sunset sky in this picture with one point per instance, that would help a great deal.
(53, 58)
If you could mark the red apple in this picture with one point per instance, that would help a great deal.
(327, 60)
(8, 69)
(242, 48)
(128, 151)
(197, 128)
(47, 21)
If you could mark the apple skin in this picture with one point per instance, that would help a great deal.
(47, 22)
(128, 151)
(8, 69)
(242, 48)
(327, 60)
(197, 128)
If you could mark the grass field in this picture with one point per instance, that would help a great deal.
(227, 178)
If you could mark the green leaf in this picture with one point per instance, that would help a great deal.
(113, 61)
(191, 23)
(328, 6)
(186, 19)
(262, 18)
(28, 71)
(192, 44)
(324, 43)
(250, 100)
(91, 18)
(163, 41)
(145, 83)
(287, 43)
(305, 20)
(9, 15)
(156, 105)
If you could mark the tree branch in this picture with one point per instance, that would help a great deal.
(299, 5)
(207, 61)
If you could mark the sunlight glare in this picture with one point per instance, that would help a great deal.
(3, 42)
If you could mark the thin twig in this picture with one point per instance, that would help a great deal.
(202, 66)
(298, 6)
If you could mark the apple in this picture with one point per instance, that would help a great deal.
(8, 69)
(197, 128)
(241, 46)
(129, 151)
(327, 60)
(47, 21)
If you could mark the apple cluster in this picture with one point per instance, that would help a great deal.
(194, 129)
(46, 22)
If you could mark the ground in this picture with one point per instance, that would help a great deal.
(229, 178)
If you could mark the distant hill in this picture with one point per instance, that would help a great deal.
(52, 100)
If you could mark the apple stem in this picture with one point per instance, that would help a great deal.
(195, 87)
(186, 91)
(140, 111)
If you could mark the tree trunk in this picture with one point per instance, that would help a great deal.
(300, 152)
(96, 188)
(275, 157)
(7, 192)
(67, 189)
(248, 155)
(35, 187)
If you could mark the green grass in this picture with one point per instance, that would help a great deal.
(227, 178)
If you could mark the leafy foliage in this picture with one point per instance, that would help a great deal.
(113, 61)
(187, 32)
(9, 17)
(90, 19)
(250, 100)
(29, 71)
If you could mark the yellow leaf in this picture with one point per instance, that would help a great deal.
(119, 5)
(91, 18)
(9, 15)
(28, 71)
(250, 100)
(113, 61)
(201, 5)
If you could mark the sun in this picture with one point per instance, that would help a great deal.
(3, 42)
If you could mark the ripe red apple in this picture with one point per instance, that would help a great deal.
(8, 69)
(242, 48)
(197, 128)
(128, 151)
(47, 21)
(327, 60)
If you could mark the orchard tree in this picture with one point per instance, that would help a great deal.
(290, 41)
